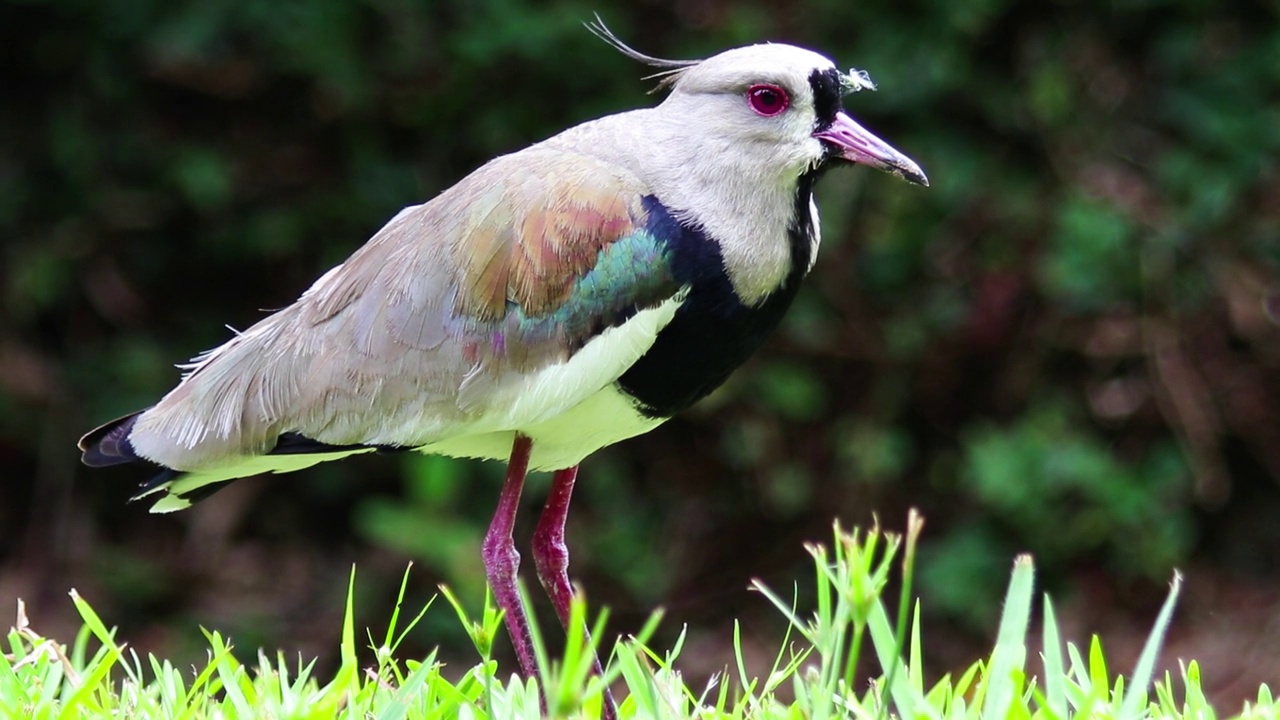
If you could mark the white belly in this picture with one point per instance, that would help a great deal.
(564, 440)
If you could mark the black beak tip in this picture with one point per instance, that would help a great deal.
(915, 176)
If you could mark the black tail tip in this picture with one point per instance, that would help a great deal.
(109, 444)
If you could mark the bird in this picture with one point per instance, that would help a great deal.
(557, 300)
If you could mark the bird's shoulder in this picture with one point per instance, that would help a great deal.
(518, 235)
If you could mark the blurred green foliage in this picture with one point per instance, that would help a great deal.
(1067, 345)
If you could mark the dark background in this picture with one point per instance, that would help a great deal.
(1068, 345)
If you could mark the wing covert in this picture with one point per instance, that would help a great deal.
(426, 329)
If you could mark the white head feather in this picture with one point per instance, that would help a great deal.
(717, 163)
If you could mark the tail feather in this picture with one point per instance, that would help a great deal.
(171, 499)
(177, 489)
(157, 483)
(109, 444)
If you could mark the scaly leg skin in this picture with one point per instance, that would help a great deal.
(501, 561)
(551, 556)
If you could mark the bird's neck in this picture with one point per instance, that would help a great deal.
(761, 217)
(751, 210)
(749, 219)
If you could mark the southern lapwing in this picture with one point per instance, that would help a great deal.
(558, 299)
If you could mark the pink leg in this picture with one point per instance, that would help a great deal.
(551, 556)
(501, 561)
(549, 551)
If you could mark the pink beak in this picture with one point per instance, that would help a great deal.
(856, 144)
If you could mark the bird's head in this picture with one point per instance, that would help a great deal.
(780, 102)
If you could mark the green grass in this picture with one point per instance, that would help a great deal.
(813, 675)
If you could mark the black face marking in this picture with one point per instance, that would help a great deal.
(827, 94)
(801, 231)
(712, 332)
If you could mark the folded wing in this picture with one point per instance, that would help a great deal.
(422, 334)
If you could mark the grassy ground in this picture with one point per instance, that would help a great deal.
(812, 677)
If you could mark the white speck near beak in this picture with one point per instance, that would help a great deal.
(856, 144)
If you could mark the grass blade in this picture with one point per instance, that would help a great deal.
(1135, 697)
(1010, 651)
(1054, 675)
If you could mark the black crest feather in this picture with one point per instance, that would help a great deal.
(670, 70)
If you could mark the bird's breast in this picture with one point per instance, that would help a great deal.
(608, 416)
(569, 409)
(714, 330)
(709, 337)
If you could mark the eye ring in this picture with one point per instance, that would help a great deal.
(767, 100)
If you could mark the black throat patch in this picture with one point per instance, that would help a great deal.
(712, 332)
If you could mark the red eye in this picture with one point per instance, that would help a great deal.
(767, 100)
